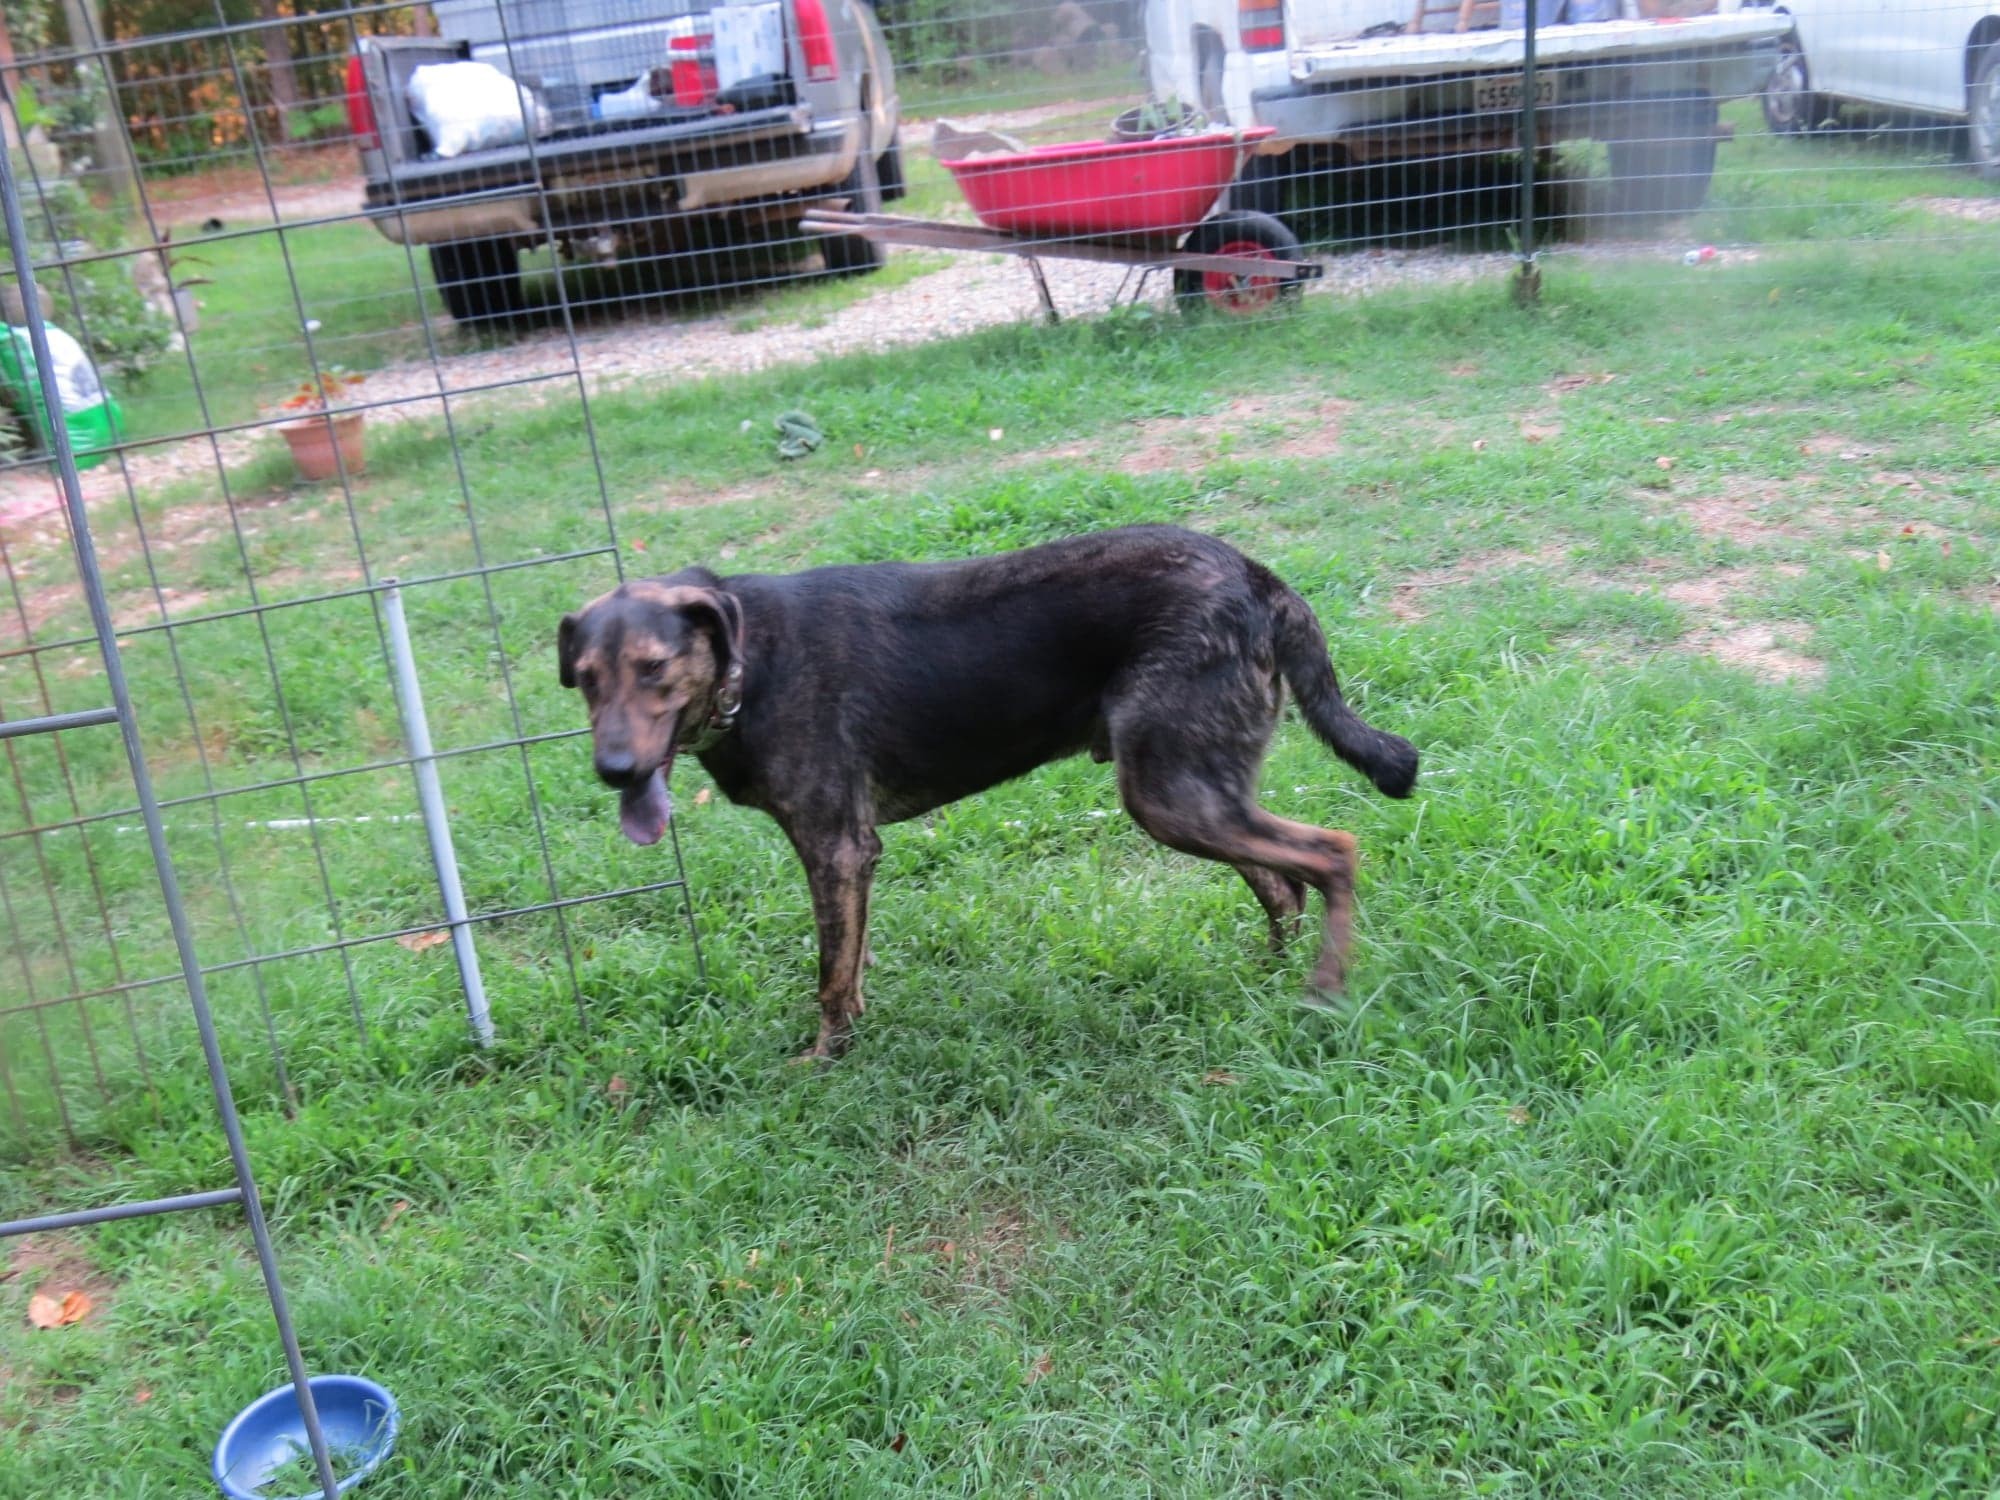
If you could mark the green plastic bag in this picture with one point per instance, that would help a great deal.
(89, 411)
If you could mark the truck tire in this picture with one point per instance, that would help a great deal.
(1237, 233)
(889, 170)
(1264, 184)
(854, 254)
(480, 280)
(1662, 167)
(1982, 115)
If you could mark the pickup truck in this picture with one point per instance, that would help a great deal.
(1358, 82)
(648, 128)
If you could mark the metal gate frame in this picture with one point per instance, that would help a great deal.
(120, 713)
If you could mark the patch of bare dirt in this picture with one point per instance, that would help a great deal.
(1973, 210)
(1756, 647)
(1250, 427)
(989, 1253)
(1416, 596)
(1564, 385)
(1833, 445)
(678, 497)
(1748, 515)
(53, 1264)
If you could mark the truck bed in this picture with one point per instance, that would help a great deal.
(1434, 54)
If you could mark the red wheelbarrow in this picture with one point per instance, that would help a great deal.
(1146, 204)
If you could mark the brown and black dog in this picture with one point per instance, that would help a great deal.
(844, 698)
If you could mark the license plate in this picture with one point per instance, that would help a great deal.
(1494, 95)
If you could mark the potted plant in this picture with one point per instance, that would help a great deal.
(316, 439)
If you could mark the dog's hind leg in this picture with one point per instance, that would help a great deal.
(839, 868)
(1180, 802)
(1283, 900)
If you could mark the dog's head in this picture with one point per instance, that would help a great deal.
(657, 660)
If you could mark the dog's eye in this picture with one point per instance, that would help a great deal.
(652, 666)
(587, 680)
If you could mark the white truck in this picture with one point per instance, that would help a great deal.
(1359, 82)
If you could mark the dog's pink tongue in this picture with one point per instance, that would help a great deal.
(643, 810)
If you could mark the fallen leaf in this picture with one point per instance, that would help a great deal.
(1218, 1077)
(896, 1442)
(701, 797)
(872, 474)
(1773, 296)
(1518, 1115)
(1041, 1367)
(1479, 445)
(1945, 546)
(45, 1311)
(1663, 462)
(1909, 531)
(1535, 434)
(994, 434)
(142, 1396)
(417, 942)
(396, 1211)
(1882, 561)
(858, 450)
(889, 1248)
(618, 1088)
(638, 546)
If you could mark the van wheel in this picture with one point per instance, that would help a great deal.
(480, 280)
(1790, 105)
(1982, 119)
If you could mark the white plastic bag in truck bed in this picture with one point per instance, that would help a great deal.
(473, 106)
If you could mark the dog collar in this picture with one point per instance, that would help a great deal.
(721, 713)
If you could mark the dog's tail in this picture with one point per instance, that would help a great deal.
(1388, 760)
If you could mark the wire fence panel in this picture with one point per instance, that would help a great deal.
(438, 255)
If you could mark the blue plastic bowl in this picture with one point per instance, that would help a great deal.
(358, 1417)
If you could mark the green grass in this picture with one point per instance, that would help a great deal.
(1653, 1153)
(925, 95)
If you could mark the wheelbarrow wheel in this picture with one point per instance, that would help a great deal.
(1252, 236)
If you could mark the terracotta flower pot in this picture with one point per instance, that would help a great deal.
(314, 441)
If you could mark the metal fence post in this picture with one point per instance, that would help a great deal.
(1528, 279)
(437, 822)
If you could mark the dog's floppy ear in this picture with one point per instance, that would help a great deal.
(566, 649)
(727, 613)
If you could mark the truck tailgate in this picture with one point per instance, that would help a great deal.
(621, 150)
(1436, 53)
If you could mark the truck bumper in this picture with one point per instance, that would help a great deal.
(578, 192)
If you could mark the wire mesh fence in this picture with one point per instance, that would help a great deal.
(431, 239)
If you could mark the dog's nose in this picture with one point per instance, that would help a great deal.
(616, 767)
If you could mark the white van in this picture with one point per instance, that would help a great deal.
(1931, 57)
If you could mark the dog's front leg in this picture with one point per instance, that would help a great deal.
(839, 868)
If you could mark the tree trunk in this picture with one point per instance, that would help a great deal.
(117, 173)
(284, 82)
(8, 125)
